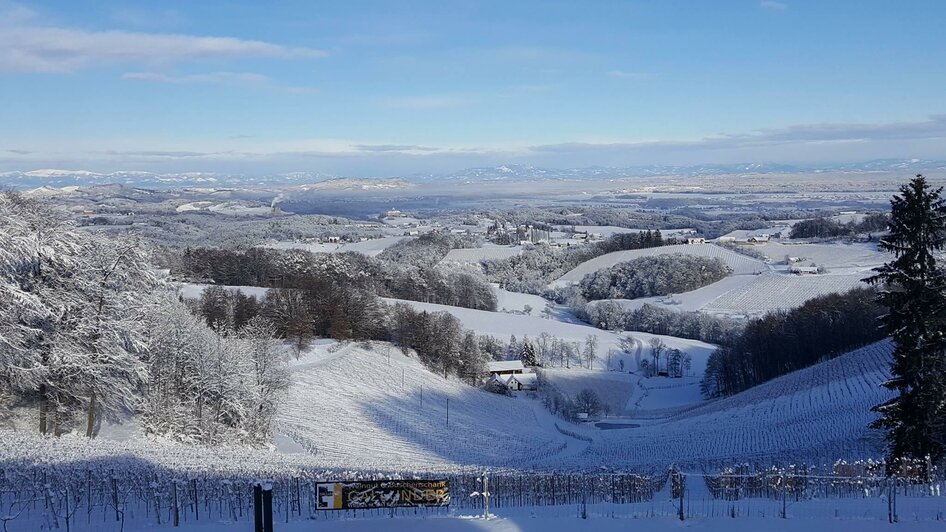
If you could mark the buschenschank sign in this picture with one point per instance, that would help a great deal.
(382, 494)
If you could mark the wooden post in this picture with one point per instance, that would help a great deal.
(115, 496)
(196, 502)
(176, 516)
(268, 509)
(258, 508)
(682, 483)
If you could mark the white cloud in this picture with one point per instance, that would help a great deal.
(773, 4)
(226, 78)
(805, 143)
(46, 49)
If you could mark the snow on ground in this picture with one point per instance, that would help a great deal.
(517, 301)
(837, 258)
(773, 291)
(231, 208)
(478, 255)
(609, 230)
(376, 408)
(692, 301)
(749, 295)
(503, 325)
(194, 290)
(818, 414)
(371, 247)
(774, 231)
(740, 264)
(868, 516)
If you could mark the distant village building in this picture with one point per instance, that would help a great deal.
(759, 239)
(334, 240)
(394, 213)
(533, 234)
(697, 240)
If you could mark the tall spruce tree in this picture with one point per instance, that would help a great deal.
(913, 293)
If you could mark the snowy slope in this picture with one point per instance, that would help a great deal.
(834, 257)
(503, 325)
(816, 414)
(477, 255)
(750, 295)
(370, 247)
(376, 408)
(740, 264)
(776, 292)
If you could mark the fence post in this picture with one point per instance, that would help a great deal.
(268, 508)
(177, 514)
(258, 508)
(682, 481)
(115, 495)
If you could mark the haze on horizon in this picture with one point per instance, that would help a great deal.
(371, 88)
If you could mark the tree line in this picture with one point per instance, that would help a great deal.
(822, 227)
(784, 341)
(658, 275)
(409, 272)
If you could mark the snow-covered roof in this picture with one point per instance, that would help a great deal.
(525, 378)
(500, 377)
(506, 365)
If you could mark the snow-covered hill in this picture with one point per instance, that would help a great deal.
(815, 415)
(376, 408)
(740, 264)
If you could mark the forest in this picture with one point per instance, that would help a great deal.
(658, 275)
(407, 270)
(827, 228)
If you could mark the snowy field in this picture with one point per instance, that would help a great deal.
(749, 295)
(370, 247)
(503, 325)
(768, 292)
(817, 414)
(609, 230)
(601, 524)
(377, 409)
(194, 290)
(740, 264)
(835, 257)
(478, 255)
(507, 301)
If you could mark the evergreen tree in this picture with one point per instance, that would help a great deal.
(527, 355)
(512, 349)
(914, 295)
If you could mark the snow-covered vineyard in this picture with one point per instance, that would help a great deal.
(130, 494)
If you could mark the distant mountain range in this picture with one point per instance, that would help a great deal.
(510, 172)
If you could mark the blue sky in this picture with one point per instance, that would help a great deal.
(386, 88)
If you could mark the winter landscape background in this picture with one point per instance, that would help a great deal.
(627, 264)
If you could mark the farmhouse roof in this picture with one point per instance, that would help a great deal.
(506, 365)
